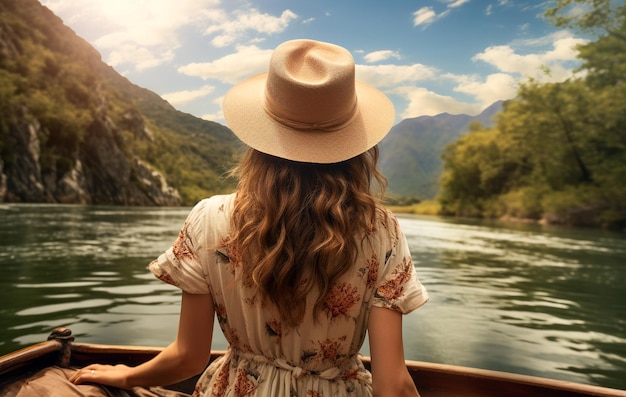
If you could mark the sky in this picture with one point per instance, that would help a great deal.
(428, 56)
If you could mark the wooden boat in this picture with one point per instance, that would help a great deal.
(432, 380)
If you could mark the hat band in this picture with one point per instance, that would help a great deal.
(328, 126)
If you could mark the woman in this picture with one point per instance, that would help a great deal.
(302, 260)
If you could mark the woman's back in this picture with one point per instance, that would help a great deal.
(302, 261)
(268, 356)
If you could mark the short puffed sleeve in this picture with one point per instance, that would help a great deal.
(184, 263)
(398, 287)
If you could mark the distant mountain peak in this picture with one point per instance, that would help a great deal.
(410, 154)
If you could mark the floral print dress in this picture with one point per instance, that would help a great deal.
(264, 358)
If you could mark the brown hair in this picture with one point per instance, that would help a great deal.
(295, 226)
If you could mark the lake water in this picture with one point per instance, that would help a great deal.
(520, 298)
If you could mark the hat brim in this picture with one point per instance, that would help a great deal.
(244, 112)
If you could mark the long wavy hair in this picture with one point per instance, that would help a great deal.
(296, 226)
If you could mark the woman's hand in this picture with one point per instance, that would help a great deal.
(109, 375)
(187, 356)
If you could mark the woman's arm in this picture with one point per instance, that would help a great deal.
(187, 356)
(390, 376)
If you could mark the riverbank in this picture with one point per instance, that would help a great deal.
(432, 207)
(427, 207)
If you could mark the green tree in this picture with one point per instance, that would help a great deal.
(558, 150)
(605, 58)
(590, 16)
(478, 168)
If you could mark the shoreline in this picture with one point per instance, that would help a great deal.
(432, 208)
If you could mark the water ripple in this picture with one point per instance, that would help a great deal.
(47, 309)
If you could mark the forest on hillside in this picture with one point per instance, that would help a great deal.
(69, 122)
(557, 152)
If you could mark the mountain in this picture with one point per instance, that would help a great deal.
(410, 153)
(72, 130)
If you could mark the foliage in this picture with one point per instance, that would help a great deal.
(410, 154)
(558, 150)
(427, 207)
(597, 16)
(51, 77)
(394, 200)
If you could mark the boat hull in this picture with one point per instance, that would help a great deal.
(432, 380)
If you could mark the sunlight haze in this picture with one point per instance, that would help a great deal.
(430, 57)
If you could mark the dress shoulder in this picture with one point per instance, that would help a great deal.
(184, 264)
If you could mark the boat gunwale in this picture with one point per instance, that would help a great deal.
(413, 365)
(427, 376)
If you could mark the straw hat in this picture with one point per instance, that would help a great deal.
(308, 107)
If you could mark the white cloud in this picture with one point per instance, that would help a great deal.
(142, 33)
(505, 59)
(183, 97)
(135, 35)
(427, 15)
(496, 87)
(231, 30)
(218, 116)
(457, 3)
(564, 49)
(558, 59)
(423, 102)
(577, 10)
(147, 33)
(424, 16)
(382, 55)
(247, 61)
(392, 75)
(141, 57)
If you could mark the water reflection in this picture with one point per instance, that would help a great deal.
(528, 301)
(520, 298)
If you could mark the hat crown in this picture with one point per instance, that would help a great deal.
(305, 108)
(311, 86)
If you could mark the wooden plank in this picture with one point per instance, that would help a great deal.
(432, 380)
(27, 361)
(448, 380)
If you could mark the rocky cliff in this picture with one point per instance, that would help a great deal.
(99, 172)
(74, 131)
